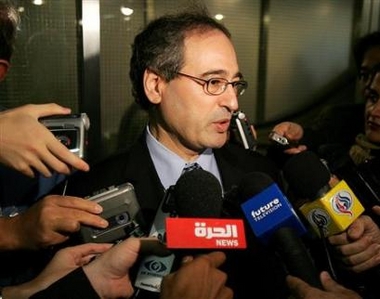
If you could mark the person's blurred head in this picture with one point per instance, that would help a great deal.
(181, 70)
(372, 109)
(9, 22)
(367, 55)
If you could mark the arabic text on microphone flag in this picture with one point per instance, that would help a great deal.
(204, 233)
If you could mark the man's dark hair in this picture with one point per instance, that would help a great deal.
(159, 47)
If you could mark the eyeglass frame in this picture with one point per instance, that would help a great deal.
(206, 84)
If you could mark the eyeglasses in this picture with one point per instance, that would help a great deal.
(216, 86)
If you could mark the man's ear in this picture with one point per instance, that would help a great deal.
(4, 67)
(152, 86)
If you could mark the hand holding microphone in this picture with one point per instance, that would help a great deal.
(336, 213)
(275, 223)
(359, 245)
(329, 210)
(292, 132)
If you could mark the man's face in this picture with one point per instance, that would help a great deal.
(192, 119)
(372, 110)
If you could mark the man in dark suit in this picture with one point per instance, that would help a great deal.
(185, 74)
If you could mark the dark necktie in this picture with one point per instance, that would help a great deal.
(191, 167)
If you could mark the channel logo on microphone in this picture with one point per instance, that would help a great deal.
(335, 211)
(203, 233)
(270, 210)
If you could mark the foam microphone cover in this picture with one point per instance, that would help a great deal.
(253, 183)
(198, 194)
(306, 175)
(250, 185)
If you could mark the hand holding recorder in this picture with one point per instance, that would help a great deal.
(287, 135)
(48, 222)
(28, 146)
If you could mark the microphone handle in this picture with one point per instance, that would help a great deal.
(295, 256)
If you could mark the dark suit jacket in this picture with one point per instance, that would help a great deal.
(263, 276)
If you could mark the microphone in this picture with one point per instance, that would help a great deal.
(197, 193)
(198, 202)
(243, 131)
(275, 223)
(153, 268)
(328, 210)
(364, 180)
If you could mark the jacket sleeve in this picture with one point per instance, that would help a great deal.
(74, 285)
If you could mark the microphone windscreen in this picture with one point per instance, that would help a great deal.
(253, 183)
(306, 175)
(198, 194)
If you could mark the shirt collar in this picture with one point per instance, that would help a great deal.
(169, 165)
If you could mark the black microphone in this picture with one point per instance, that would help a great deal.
(198, 195)
(153, 268)
(329, 210)
(200, 226)
(364, 180)
(275, 223)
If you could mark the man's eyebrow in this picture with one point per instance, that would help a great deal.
(222, 73)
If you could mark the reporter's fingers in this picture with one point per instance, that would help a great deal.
(297, 286)
(281, 128)
(74, 203)
(225, 293)
(84, 253)
(42, 110)
(150, 246)
(217, 258)
(28, 172)
(59, 157)
(73, 223)
(366, 265)
(295, 150)
(329, 284)
(376, 210)
(187, 259)
(67, 213)
(339, 239)
(89, 248)
(25, 169)
(39, 166)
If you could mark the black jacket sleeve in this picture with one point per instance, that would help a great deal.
(74, 285)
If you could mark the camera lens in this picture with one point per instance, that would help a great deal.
(122, 218)
(67, 136)
(65, 140)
